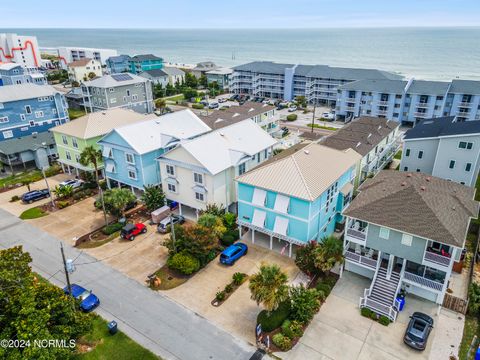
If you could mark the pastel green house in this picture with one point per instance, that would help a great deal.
(74, 136)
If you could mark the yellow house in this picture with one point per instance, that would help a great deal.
(80, 70)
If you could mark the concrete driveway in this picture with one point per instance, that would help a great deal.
(339, 332)
(17, 207)
(72, 222)
(238, 314)
(137, 259)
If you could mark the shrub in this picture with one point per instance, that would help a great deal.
(88, 192)
(238, 278)
(474, 299)
(305, 303)
(292, 329)
(110, 229)
(373, 316)
(220, 296)
(211, 255)
(282, 342)
(184, 263)
(330, 280)
(62, 204)
(292, 117)
(228, 288)
(78, 195)
(384, 320)
(271, 321)
(15, 198)
(227, 240)
(197, 106)
(89, 185)
(366, 312)
(230, 219)
(324, 288)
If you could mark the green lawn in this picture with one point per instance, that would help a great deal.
(398, 155)
(31, 176)
(75, 113)
(106, 346)
(32, 213)
(469, 331)
(174, 98)
(318, 126)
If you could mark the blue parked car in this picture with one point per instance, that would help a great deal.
(35, 195)
(233, 253)
(88, 301)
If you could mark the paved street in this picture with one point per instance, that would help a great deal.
(151, 319)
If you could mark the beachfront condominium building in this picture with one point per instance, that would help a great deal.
(130, 152)
(406, 231)
(297, 196)
(220, 76)
(84, 70)
(318, 83)
(201, 171)
(443, 147)
(376, 139)
(14, 74)
(409, 102)
(19, 49)
(27, 112)
(261, 114)
(73, 137)
(118, 90)
(70, 54)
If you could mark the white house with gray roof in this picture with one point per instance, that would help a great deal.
(443, 147)
(409, 102)
(118, 91)
(318, 83)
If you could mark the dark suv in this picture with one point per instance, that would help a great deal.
(35, 195)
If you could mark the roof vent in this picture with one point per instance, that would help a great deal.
(409, 175)
(404, 183)
(221, 134)
(236, 114)
(358, 144)
(453, 208)
(370, 134)
(306, 152)
(251, 109)
(428, 179)
(379, 127)
(422, 188)
(104, 113)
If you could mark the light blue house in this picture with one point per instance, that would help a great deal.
(14, 74)
(27, 112)
(118, 64)
(139, 63)
(130, 152)
(298, 196)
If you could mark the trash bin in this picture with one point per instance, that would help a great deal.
(401, 302)
(477, 354)
(112, 327)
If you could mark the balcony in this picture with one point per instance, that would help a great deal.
(361, 255)
(383, 103)
(422, 105)
(465, 104)
(438, 254)
(420, 280)
(420, 114)
(350, 99)
(382, 112)
(425, 276)
(349, 108)
(356, 231)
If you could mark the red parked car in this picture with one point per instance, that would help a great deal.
(129, 231)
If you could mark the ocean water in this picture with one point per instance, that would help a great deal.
(423, 53)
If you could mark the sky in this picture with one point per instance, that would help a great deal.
(237, 13)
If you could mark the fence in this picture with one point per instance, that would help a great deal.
(455, 303)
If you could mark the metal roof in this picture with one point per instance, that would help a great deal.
(305, 174)
(25, 91)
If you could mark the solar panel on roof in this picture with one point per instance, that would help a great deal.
(121, 77)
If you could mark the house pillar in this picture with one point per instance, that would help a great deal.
(341, 270)
(271, 242)
(108, 183)
(63, 167)
(76, 172)
(240, 231)
(290, 250)
(118, 184)
(180, 208)
(253, 236)
(391, 259)
(133, 190)
(196, 213)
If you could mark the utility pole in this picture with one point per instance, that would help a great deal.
(313, 116)
(173, 233)
(48, 187)
(66, 271)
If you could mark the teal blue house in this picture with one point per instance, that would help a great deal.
(140, 63)
(130, 152)
(297, 197)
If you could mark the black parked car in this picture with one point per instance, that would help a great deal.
(35, 195)
(418, 330)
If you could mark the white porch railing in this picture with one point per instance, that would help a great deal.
(357, 234)
(270, 232)
(423, 281)
(360, 259)
(379, 308)
(437, 258)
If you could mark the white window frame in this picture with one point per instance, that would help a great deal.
(64, 140)
(168, 167)
(8, 134)
(126, 158)
(454, 163)
(384, 233)
(77, 158)
(407, 239)
(111, 90)
(130, 172)
(199, 197)
(28, 109)
(466, 167)
(39, 114)
(196, 176)
(4, 119)
(74, 143)
(172, 188)
(23, 117)
(68, 155)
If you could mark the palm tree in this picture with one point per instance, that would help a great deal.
(161, 104)
(119, 199)
(269, 286)
(92, 156)
(328, 253)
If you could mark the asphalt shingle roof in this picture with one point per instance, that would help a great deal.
(469, 87)
(145, 57)
(376, 85)
(361, 135)
(424, 87)
(417, 204)
(443, 126)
